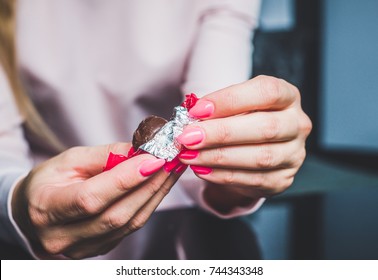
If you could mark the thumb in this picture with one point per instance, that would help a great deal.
(92, 160)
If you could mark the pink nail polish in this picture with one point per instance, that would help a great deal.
(191, 136)
(149, 167)
(202, 109)
(202, 170)
(189, 154)
(180, 168)
(170, 165)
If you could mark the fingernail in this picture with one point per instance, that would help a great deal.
(202, 109)
(180, 168)
(149, 167)
(191, 136)
(189, 154)
(202, 170)
(170, 165)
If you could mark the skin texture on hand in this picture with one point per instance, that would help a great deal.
(68, 206)
(250, 142)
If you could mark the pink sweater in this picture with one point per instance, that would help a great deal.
(95, 69)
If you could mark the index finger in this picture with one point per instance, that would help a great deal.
(262, 93)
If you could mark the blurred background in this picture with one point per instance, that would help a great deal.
(329, 50)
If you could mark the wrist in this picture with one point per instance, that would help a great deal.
(225, 198)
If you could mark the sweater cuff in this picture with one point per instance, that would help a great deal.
(13, 234)
(235, 212)
(8, 181)
(195, 188)
(22, 240)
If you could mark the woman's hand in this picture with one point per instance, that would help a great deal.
(68, 206)
(250, 143)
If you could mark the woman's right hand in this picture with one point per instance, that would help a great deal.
(68, 206)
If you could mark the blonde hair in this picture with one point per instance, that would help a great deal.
(8, 59)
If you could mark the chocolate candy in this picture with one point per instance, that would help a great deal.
(147, 130)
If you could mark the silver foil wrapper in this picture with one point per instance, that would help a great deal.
(164, 144)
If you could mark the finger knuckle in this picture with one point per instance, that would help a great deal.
(271, 127)
(165, 190)
(153, 187)
(285, 184)
(281, 186)
(295, 90)
(55, 246)
(37, 217)
(289, 182)
(115, 221)
(223, 133)
(297, 158)
(270, 89)
(141, 219)
(306, 125)
(218, 157)
(265, 158)
(301, 156)
(87, 203)
(121, 182)
(137, 222)
(229, 177)
(231, 99)
(257, 180)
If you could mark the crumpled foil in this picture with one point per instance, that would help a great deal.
(164, 144)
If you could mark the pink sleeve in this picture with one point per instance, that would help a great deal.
(221, 56)
(194, 187)
(222, 52)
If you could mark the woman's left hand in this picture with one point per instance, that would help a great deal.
(250, 142)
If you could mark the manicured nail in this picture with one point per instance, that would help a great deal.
(180, 168)
(189, 154)
(202, 109)
(170, 165)
(191, 136)
(149, 167)
(202, 170)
